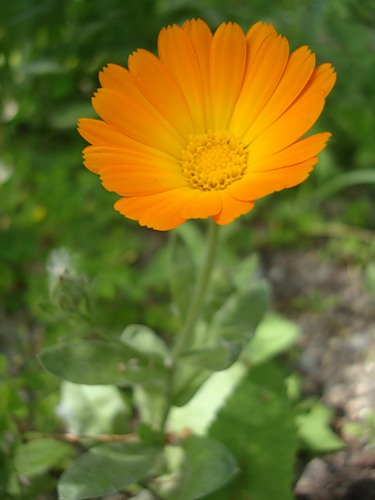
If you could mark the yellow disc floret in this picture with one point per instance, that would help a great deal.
(213, 161)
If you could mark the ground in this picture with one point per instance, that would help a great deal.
(336, 314)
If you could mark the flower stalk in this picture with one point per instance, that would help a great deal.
(186, 336)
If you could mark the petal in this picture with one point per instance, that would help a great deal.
(201, 39)
(186, 63)
(263, 72)
(133, 173)
(167, 210)
(256, 36)
(258, 184)
(116, 78)
(100, 156)
(129, 112)
(160, 211)
(290, 126)
(202, 204)
(324, 78)
(231, 208)
(227, 65)
(186, 203)
(127, 181)
(298, 152)
(101, 134)
(299, 69)
(161, 89)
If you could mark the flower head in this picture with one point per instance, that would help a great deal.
(209, 125)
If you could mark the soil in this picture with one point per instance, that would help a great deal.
(336, 314)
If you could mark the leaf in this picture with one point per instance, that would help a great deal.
(144, 340)
(256, 424)
(207, 466)
(93, 409)
(215, 358)
(315, 432)
(370, 278)
(40, 455)
(149, 401)
(238, 318)
(96, 362)
(274, 335)
(105, 469)
(181, 273)
(201, 410)
(340, 182)
(245, 271)
(188, 380)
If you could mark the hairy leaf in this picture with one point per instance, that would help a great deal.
(256, 424)
(106, 468)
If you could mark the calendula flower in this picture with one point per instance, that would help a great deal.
(209, 125)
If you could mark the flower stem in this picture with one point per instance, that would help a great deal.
(186, 335)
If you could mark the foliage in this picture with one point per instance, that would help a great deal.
(106, 278)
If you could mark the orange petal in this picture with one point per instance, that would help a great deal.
(227, 65)
(258, 184)
(139, 180)
(299, 69)
(115, 77)
(290, 126)
(263, 72)
(185, 202)
(298, 152)
(324, 78)
(100, 156)
(256, 36)
(202, 204)
(162, 90)
(177, 53)
(130, 173)
(160, 211)
(100, 133)
(169, 209)
(131, 113)
(231, 208)
(201, 39)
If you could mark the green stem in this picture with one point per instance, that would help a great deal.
(186, 335)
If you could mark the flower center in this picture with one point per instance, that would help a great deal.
(213, 161)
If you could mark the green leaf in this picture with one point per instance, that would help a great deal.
(188, 380)
(370, 278)
(274, 335)
(340, 182)
(144, 340)
(105, 469)
(207, 466)
(181, 273)
(238, 318)
(315, 432)
(96, 362)
(256, 424)
(215, 358)
(149, 401)
(93, 409)
(198, 414)
(245, 271)
(40, 455)
(149, 435)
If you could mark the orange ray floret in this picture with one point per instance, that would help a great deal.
(214, 122)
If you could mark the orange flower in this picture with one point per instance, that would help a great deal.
(207, 127)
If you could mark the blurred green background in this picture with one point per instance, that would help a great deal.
(50, 55)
